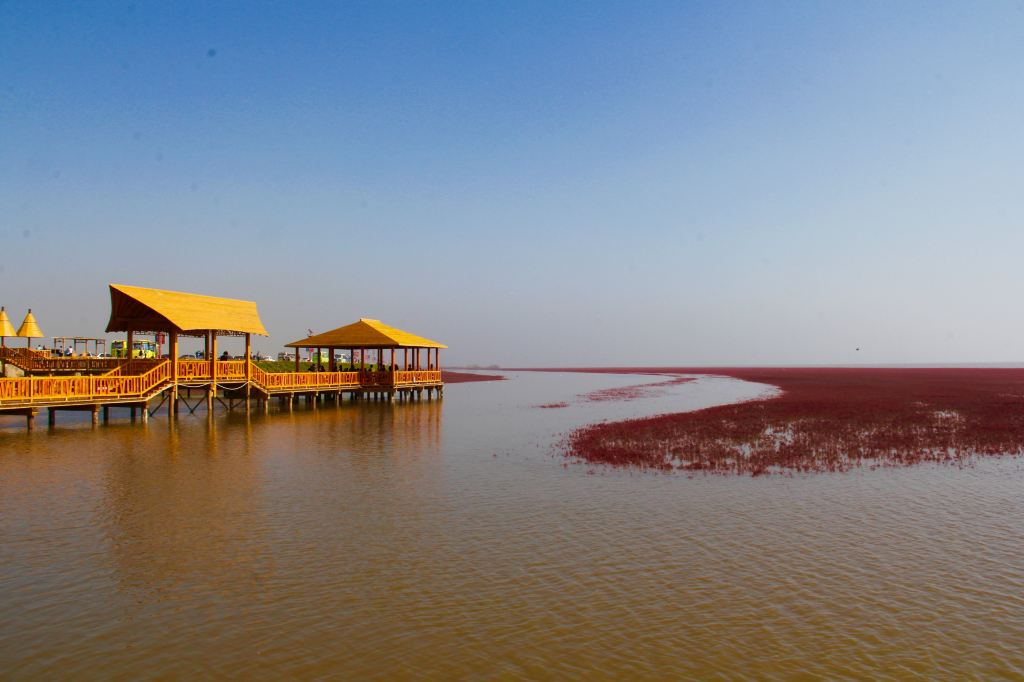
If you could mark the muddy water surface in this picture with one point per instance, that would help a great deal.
(445, 540)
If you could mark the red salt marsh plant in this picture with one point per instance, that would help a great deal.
(450, 377)
(824, 419)
(553, 406)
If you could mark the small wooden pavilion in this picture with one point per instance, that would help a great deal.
(61, 344)
(418, 369)
(142, 310)
(367, 334)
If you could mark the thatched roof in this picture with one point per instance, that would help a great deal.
(156, 310)
(6, 328)
(29, 327)
(365, 333)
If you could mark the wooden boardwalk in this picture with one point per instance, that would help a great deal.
(138, 383)
(56, 382)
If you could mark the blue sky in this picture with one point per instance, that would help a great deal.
(533, 183)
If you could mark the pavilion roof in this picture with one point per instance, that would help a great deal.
(141, 309)
(365, 333)
(29, 327)
(6, 328)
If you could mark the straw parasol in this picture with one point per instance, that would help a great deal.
(29, 329)
(6, 329)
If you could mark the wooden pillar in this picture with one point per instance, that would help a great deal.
(392, 366)
(331, 364)
(51, 417)
(405, 352)
(129, 350)
(172, 409)
(297, 359)
(248, 367)
(213, 370)
(95, 415)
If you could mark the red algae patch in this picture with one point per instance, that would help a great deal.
(553, 406)
(450, 377)
(824, 419)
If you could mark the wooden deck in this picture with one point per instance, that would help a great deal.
(137, 382)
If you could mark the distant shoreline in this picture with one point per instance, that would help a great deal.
(450, 377)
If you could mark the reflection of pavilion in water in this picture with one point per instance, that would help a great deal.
(199, 512)
(184, 513)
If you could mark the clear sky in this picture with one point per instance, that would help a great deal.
(533, 183)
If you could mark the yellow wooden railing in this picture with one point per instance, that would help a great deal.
(199, 370)
(42, 361)
(417, 376)
(283, 381)
(33, 390)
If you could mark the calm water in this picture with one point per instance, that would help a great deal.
(447, 541)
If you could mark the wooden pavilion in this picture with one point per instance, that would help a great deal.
(142, 310)
(417, 368)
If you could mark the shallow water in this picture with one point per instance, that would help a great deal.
(449, 540)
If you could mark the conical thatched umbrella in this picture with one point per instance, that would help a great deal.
(6, 329)
(29, 329)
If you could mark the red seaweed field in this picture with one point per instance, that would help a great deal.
(450, 377)
(824, 419)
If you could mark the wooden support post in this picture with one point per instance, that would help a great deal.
(129, 350)
(30, 419)
(51, 417)
(145, 413)
(297, 359)
(95, 415)
(213, 357)
(212, 391)
(106, 414)
(331, 363)
(248, 367)
(172, 409)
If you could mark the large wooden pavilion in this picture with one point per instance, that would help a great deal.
(142, 310)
